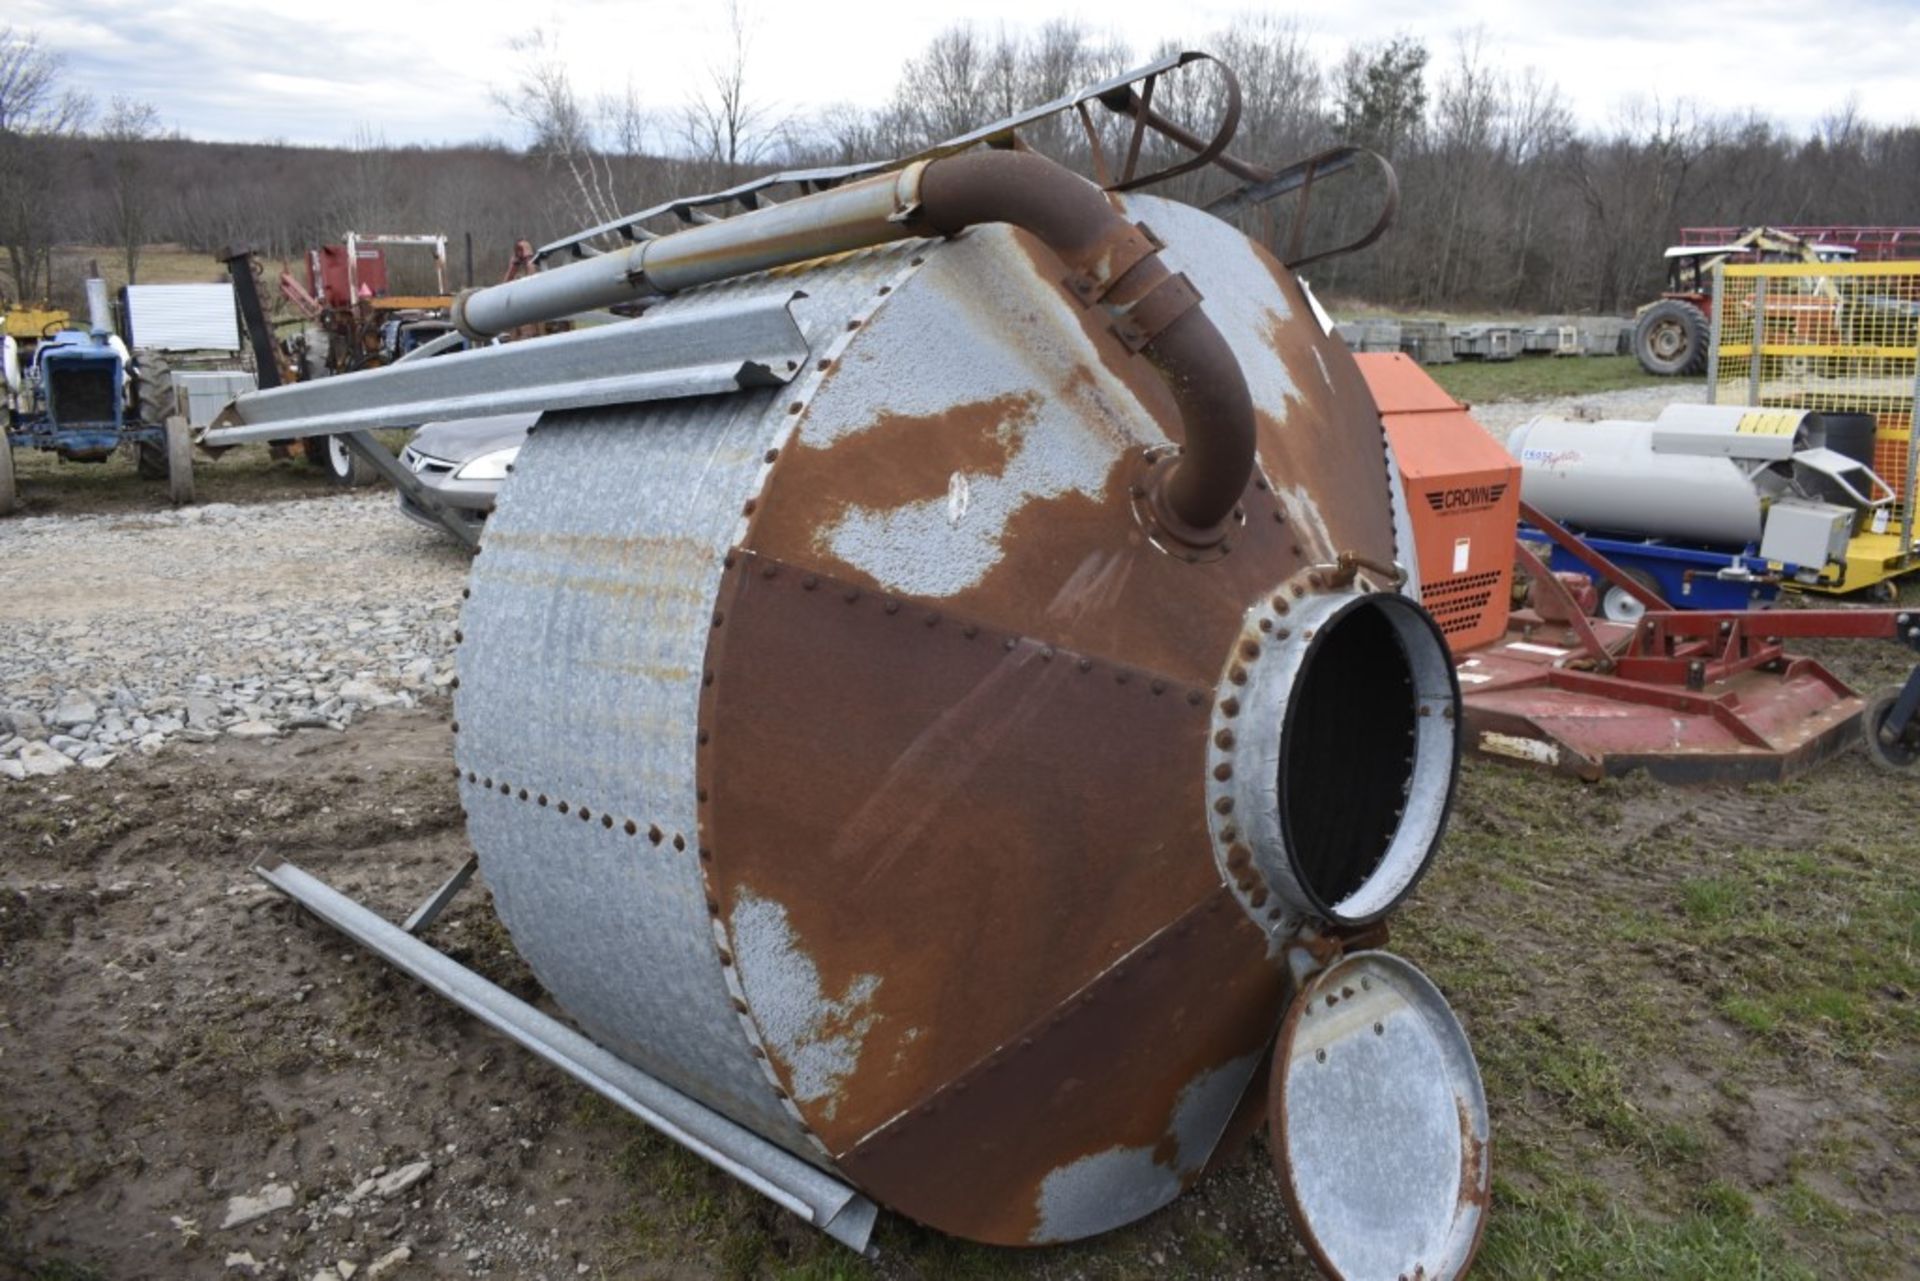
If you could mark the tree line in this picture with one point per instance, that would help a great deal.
(1506, 201)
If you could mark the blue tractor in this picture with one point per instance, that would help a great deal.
(71, 400)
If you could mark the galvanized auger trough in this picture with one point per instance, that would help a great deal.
(937, 710)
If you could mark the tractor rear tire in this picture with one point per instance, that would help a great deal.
(179, 451)
(1670, 338)
(1898, 753)
(8, 499)
(156, 405)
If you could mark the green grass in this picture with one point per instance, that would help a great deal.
(50, 485)
(1574, 1227)
(1549, 377)
(1634, 962)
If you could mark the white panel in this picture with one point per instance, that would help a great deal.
(183, 317)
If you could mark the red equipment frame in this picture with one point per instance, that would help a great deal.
(1685, 694)
(1871, 244)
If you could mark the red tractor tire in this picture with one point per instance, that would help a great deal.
(1670, 338)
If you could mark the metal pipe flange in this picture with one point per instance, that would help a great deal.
(1333, 756)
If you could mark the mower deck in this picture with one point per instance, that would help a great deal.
(1533, 696)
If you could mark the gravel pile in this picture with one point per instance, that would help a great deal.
(122, 633)
(1502, 416)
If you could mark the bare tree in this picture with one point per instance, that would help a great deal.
(34, 112)
(1631, 186)
(559, 125)
(129, 123)
(370, 195)
(727, 126)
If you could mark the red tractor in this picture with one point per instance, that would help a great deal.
(1670, 335)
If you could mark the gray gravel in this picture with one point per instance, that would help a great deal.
(1502, 416)
(123, 633)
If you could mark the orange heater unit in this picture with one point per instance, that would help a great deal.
(1463, 492)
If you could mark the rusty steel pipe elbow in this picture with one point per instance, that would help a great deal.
(1156, 314)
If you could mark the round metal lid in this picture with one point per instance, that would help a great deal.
(1379, 1124)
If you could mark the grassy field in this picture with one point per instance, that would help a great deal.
(1548, 377)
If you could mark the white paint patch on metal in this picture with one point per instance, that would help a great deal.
(959, 496)
(1106, 1189)
(818, 1037)
(1303, 513)
(1520, 749)
(975, 324)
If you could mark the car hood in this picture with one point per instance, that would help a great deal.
(460, 440)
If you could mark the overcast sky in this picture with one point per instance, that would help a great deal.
(307, 72)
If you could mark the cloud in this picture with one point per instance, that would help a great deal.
(276, 69)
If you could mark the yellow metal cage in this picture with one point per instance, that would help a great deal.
(1833, 337)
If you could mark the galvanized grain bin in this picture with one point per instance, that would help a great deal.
(860, 758)
(935, 694)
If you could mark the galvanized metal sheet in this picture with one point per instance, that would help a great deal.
(897, 917)
(202, 394)
(580, 676)
(721, 346)
(182, 318)
(911, 719)
(1379, 1124)
(1102, 1112)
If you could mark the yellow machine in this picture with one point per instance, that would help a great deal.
(30, 324)
(1840, 339)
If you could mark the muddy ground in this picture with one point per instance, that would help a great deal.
(1696, 1010)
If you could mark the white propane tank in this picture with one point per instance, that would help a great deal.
(1687, 475)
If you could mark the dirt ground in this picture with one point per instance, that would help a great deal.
(1697, 1011)
(176, 1034)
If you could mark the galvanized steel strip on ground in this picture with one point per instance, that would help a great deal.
(583, 646)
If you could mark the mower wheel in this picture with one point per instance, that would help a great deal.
(1618, 605)
(341, 463)
(179, 450)
(1890, 750)
(1671, 338)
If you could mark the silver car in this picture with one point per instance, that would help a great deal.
(463, 462)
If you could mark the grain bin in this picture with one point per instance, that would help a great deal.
(973, 755)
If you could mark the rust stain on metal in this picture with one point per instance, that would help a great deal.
(1475, 1187)
(898, 460)
(903, 756)
(1099, 1081)
(1077, 566)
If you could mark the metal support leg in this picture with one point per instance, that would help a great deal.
(429, 912)
(366, 447)
(775, 1173)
